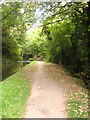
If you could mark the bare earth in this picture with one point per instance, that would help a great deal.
(47, 98)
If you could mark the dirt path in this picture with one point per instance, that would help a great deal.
(47, 99)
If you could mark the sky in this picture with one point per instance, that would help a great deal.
(38, 21)
(37, 15)
(1, 1)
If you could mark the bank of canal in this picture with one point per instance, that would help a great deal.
(9, 69)
(15, 91)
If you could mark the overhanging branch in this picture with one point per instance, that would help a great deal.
(8, 14)
(54, 22)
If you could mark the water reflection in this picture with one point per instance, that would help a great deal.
(11, 68)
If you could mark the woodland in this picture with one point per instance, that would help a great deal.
(54, 31)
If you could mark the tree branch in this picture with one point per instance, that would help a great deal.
(50, 23)
(54, 22)
(7, 15)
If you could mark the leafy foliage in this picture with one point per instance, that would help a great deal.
(68, 37)
(14, 27)
(36, 42)
(63, 36)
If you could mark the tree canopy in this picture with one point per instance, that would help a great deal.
(58, 32)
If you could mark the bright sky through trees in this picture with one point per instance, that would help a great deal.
(22, 10)
(64, 28)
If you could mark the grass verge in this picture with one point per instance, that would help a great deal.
(34, 62)
(15, 92)
(77, 104)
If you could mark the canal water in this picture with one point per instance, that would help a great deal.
(11, 68)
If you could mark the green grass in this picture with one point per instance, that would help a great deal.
(77, 105)
(78, 101)
(34, 62)
(15, 92)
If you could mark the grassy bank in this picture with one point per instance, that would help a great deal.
(15, 91)
(78, 102)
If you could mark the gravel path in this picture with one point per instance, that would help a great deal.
(47, 98)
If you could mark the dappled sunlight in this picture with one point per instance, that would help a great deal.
(54, 37)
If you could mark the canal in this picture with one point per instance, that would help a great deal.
(11, 68)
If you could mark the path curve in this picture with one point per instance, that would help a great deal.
(47, 98)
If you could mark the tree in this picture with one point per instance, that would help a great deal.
(67, 31)
(14, 27)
